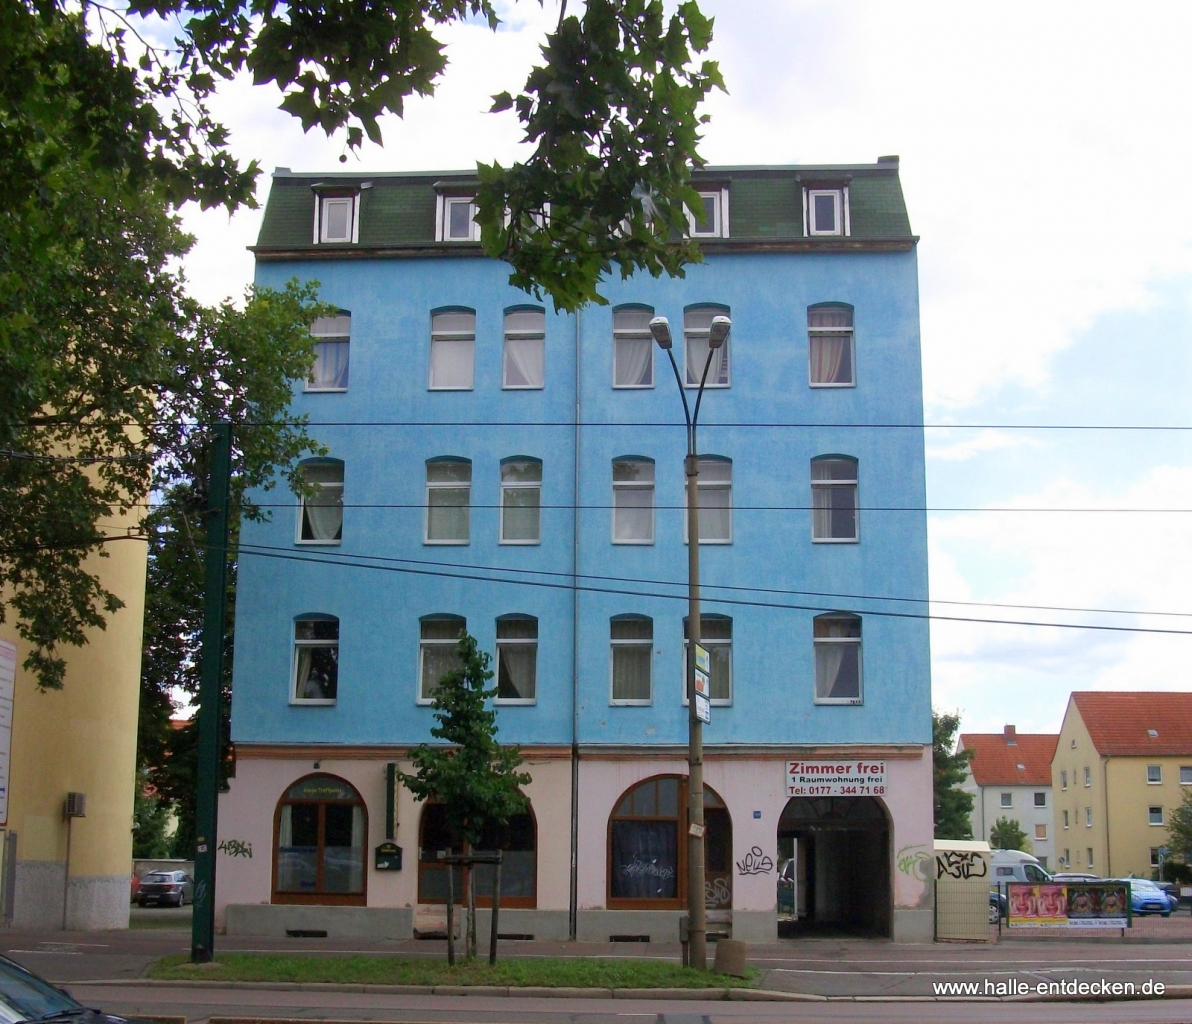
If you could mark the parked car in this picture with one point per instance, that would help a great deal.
(1147, 898)
(997, 906)
(1074, 876)
(1016, 866)
(1173, 893)
(166, 888)
(26, 997)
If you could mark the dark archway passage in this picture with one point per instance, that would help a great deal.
(835, 877)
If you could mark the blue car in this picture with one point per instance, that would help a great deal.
(1147, 898)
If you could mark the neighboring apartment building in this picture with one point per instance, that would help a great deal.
(1122, 765)
(81, 739)
(499, 468)
(1009, 776)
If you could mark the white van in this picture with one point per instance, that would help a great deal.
(1015, 866)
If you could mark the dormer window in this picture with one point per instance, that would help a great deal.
(825, 211)
(337, 217)
(712, 220)
(457, 219)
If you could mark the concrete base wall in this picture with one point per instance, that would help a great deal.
(598, 925)
(37, 903)
(274, 920)
(914, 926)
(96, 903)
(755, 925)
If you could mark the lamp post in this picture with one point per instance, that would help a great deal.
(696, 915)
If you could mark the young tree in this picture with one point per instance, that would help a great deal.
(473, 776)
(1007, 834)
(1179, 829)
(951, 804)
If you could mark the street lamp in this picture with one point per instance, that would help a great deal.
(697, 928)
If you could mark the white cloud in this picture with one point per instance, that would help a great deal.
(978, 444)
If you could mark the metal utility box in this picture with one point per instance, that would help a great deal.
(962, 878)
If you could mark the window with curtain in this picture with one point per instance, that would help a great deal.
(452, 350)
(632, 639)
(830, 346)
(521, 501)
(525, 349)
(518, 838)
(633, 501)
(716, 637)
(321, 837)
(834, 498)
(316, 659)
(715, 488)
(321, 514)
(697, 322)
(517, 658)
(633, 347)
(438, 651)
(837, 659)
(333, 336)
(448, 501)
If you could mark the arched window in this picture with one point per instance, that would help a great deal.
(697, 322)
(834, 498)
(320, 835)
(519, 867)
(647, 851)
(525, 349)
(830, 346)
(321, 514)
(633, 347)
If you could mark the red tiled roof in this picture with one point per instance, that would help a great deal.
(999, 763)
(1121, 723)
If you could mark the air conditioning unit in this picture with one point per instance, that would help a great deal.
(76, 805)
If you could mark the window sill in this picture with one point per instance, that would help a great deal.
(848, 702)
(710, 543)
(633, 543)
(813, 384)
(523, 387)
(835, 540)
(298, 702)
(446, 543)
(630, 703)
(319, 543)
(520, 543)
(470, 387)
(709, 387)
(825, 234)
(633, 387)
(515, 702)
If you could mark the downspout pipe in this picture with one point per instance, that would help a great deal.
(573, 905)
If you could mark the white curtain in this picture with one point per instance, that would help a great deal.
(525, 362)
(302, 688)
(516, 672)
(631, 672)
(633, 363)
(324, 513)
(521, 514)
(827, 356)
(451, 362)
(331, 365)
(285, 830)
(633, 515)
(697, 354)
(715, 513)
(828, 661)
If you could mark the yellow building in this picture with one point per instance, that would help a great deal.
(1122, 765)
(80, 739)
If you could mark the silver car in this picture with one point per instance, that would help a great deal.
(166, 889)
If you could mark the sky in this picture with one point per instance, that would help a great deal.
(1043, 150)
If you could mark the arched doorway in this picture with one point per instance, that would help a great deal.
(320, 830)
(835, 874)
(647, 848)
(519, 867)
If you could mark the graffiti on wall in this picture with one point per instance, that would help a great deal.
(755, 862)
(960, 864)
(914, 861)
(236, 848)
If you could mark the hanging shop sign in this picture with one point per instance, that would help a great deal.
(846, 777)
(1068, 905)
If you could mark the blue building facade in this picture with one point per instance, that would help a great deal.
(497, 467)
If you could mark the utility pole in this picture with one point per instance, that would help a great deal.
(215, 584)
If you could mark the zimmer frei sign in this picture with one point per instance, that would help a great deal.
(836, 778)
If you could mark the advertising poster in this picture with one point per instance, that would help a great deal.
(836, 778)
(1067, 905)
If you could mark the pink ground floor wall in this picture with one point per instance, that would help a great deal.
(752, 785)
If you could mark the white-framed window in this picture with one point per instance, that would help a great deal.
(1089, 857)
(517, 659)
(524, 364)
(834, 516)
(1088, 776)
(1154, 774)
(316, 660)
(1041, 799)
(713, 223)
(1065, 821)
(1154, 815)
(1040, 831)
(521, 501)
(715, 489)
(697, 323)
(1186, 775)
(457, 220)
(448, 501)
(337, 218)
(1067, 856)
(633, 347)
(452, 350)
(826, 211)
(837, 638)
(1088, 817)
(1154, 856)
(1063, 780)
(1007, 799)
(831, 352)
(330, 370)
(633, 501)
(716, 637)
(631, 638)
(321, 514)
(438, 651)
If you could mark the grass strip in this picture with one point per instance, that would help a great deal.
(553, 972)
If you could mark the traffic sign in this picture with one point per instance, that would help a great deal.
(703, 662)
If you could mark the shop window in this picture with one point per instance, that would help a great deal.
(519, 866)
(647, 855)
(320, 835)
